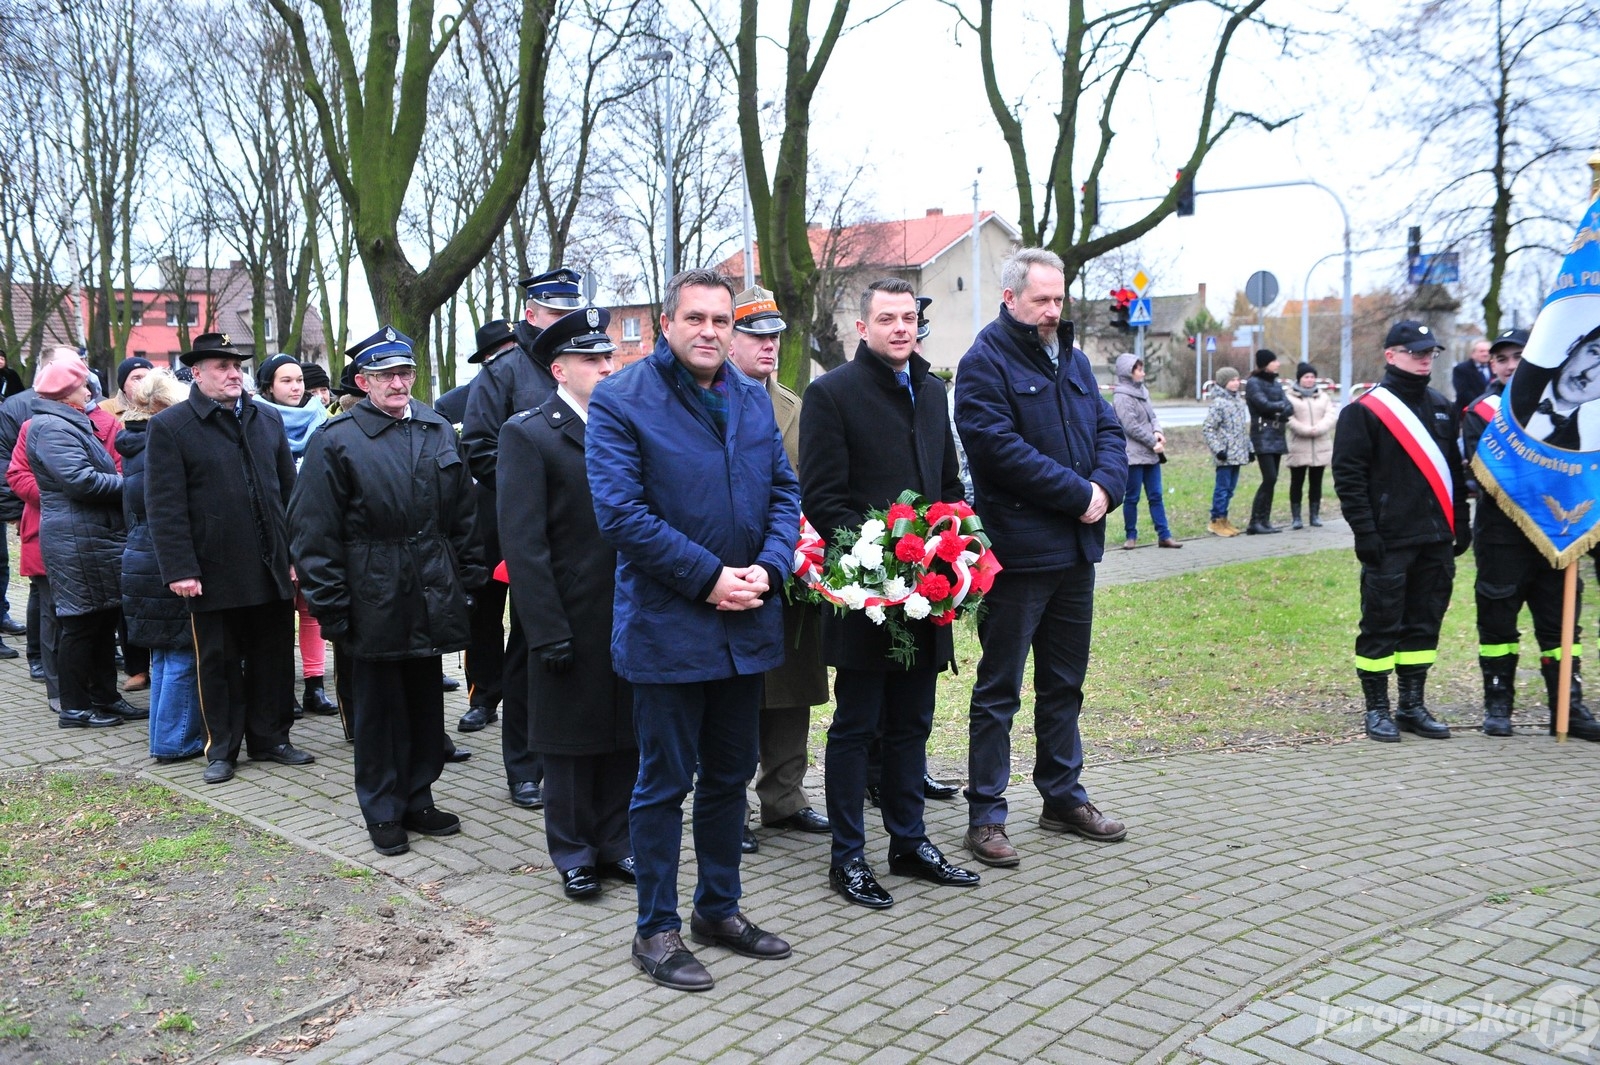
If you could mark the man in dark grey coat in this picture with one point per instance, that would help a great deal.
(387, 552)
(563, 576)
(219, 479)
(870, 430)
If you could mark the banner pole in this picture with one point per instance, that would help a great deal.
(1569, 601)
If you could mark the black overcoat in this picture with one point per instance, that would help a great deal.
(155, 617)
(80, 509)
(563, 578)
(385, 538)
(217, 491)
(862, 443)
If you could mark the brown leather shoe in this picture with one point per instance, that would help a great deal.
(665, 959)
(1170, 542)
(1086, 821)
(738, 935)
(990, 845)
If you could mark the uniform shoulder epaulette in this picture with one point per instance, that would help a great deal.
(524, 415)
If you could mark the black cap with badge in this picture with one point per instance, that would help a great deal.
(1510, 338)
(492, 338)
(387, 349)
(559, 289)
(923, 328)
(583, 332)
(210, 346)
(1413, 336)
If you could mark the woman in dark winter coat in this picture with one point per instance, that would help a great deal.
(1269, 414)
(81, 536)
(156, 618)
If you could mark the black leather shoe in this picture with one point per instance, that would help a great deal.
(431, 821)
(87, 719)
(316, 701)
(7, 651)
(738, 935)
(526, 794)
(872, 795)
(218, 771)
(477, 718)
(36, 670)
(582, 882)
(457, 754)
(938, 789)
(284, 754)
(125, 710)
(1256, 528)
(927, 863)
(803, 820)
(1422, 723)
(748, 844)
(854, 880)
(665, 959)
(450, 684)
(388, 837)
(622, 869)
(11, 626)
(1381, 727)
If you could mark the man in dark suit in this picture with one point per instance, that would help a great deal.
(869, 431)
(218, 484)
(582, 711)
(1049, 461)
(511, 380)
(1471, 376)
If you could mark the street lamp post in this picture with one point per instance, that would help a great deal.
(665, 56)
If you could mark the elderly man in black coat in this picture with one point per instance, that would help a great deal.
(386, 546)
(869, 430)
(563, 576)
(218, 486)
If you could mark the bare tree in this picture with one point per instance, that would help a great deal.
(1102, 58)
(1494, 112)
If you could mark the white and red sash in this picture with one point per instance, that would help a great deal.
(1418, 443)
(1486, 406)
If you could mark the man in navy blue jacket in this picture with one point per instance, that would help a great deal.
(692, 488)
(1048, 462)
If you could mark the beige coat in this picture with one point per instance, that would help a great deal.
(1310, 428)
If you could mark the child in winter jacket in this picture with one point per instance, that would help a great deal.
(1227, 435)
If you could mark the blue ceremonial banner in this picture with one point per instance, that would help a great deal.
(1540, 456)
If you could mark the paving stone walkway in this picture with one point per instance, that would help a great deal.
(1329, 903)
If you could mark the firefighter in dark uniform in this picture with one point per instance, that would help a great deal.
(386, 548)
(1397, 469)
(511, 382)
(1511, 572)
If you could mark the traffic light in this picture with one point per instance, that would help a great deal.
(1190, 343)
(1121, 301)
(1185, 195)
(1414, 243)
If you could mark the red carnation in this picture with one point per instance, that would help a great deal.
(947, 618)
(900, 512)
(911, 548)
(936, 511)
(934, 587)
(950, 545)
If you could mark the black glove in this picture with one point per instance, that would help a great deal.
(1463, 538)
(334, 626)
(1222, 457)
(557, 657)
(1369, 548)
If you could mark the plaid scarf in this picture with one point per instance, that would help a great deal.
(714, 399)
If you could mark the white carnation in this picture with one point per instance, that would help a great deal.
(869, 553)
(917, 607)
(854, 596)
(895, 588)
(873, 530)
(876, 614)
(848, 563)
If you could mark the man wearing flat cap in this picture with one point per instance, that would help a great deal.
(582, 712)
(802, 681)
(219, 475)
(511, 381)
(388, 556)
(1397, 469)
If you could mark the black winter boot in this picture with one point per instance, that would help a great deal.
(1411, 715)
(1316, 514)
(316, 700)
(1260, 521)
(1294, 516)
(1499, 687)
(1581, 724)
(1380, 725)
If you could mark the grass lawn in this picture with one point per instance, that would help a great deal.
(1187, 479)
(1258, 652)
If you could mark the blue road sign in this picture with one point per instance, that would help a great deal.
(1139, 312)
(1211, 344)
